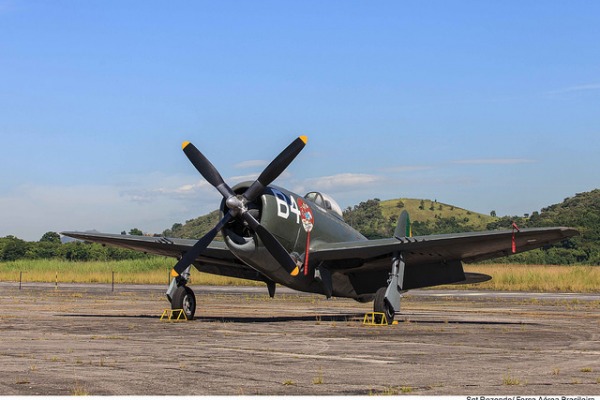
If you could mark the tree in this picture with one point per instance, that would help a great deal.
(50, 237)
(368, 219)
(493, 213)
(13, 249)
(136, 231)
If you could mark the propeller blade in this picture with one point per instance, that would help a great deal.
(205, 167)
(237, 205)
(272, 244)
(201, 245)
(275, 168)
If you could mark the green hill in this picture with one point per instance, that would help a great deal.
(581, 211)
(426, 216)
(428, 211)
(194, 228)
(377, 219)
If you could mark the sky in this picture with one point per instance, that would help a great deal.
(484, 105)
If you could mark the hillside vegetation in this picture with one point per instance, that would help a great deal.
(194, 228)
(581, 211)
(375, 219)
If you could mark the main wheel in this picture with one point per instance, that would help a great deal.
(380, 305)
(184, 298)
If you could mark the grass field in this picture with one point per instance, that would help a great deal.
(538, 278)
(155, 270)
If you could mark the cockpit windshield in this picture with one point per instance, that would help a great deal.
(325, 201)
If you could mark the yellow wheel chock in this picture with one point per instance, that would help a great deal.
(371, 320)
(174, 314)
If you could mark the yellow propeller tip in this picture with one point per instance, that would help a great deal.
(174, 273)
(304, 139)
(184, 145)
(295, 272)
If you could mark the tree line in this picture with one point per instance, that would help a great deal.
(50, 246)
(581, 211)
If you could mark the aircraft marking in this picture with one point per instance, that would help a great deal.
(308, 221)
(286, 206)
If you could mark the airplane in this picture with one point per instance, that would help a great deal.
(273, 235)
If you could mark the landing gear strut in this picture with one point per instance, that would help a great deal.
(387, 299)
(380, 305)
(181, 296)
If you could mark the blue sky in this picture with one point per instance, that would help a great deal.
(485, 105)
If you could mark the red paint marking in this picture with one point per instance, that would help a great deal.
(308, 221)
(514, 242)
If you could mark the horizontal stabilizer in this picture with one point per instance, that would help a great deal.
(472, 277)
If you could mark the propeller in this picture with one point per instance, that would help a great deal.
(237, 204)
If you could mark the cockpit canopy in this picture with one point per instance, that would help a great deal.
(325, 201)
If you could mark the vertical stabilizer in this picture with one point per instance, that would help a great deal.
(403, 228)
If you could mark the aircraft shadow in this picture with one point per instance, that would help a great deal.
(307, 318)
(322, 318)
(285, 318)
(108, 316)
(413, 320)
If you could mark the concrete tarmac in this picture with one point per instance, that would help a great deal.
(86, 339)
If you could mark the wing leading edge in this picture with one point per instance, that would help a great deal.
(466, 247)
(363, 267)
(217, 259)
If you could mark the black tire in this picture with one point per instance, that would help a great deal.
(380, 305)
(185, 299)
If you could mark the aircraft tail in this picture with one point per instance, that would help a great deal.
(403, 228)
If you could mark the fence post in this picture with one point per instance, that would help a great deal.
(113, 281)
(20, 279)
(56, 281)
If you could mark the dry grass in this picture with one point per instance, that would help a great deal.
(79, 390)
(538, 278)
(508, 380)
(155, 270)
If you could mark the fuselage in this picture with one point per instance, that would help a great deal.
(299, 223)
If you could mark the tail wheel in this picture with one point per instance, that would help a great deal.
(184, 298)
(380, 305)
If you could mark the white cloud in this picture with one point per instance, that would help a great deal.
(336, 182)
(408, 168)
(494, 161)
(577, 88)
(153, 204)
(251, 164)
(241, 178)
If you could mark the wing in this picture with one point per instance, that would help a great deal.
(466, 247)
(433, 260)
(216, 259)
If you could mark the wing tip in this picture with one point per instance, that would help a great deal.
(568, 231)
